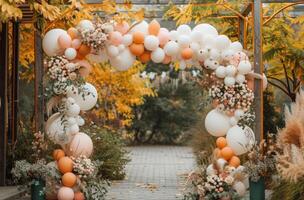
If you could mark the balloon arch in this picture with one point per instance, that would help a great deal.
(71, 52)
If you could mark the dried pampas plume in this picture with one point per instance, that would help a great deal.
(291, 139)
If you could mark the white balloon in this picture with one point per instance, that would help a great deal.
(196, 36)
(112, 51)
(211, 64)
(230, 70)
(240, 78)
(206, 29)
(238, 113)
(123, 61)
(236, 46)
(220, 72)
(229, 81)
(208, 41)
(127, 39)
(86, 25)
(222, 42)
(158, 55)
(202, 54)
(239, 188)
(227, 54)
(171, 48)
(151, 42)
(221, 163)
(214, 54)
(183, 41)
(86, 98)
(121, 48)
(184, 29)
(71, 121)
(244, 67)
(233, 121)
(100, 57)
(217, 123)
(80, 121)
(210, 170)
(49, 43)
(72, 109)
(73, 129)
(173, 35)
(141, 27)
(194, 46)
(70, 53)
(240, 140)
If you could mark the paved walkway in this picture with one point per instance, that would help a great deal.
(154, 173)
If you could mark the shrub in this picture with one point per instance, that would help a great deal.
(110, 150)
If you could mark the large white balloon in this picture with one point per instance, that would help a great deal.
(217, 123)
(86, 25)
(171, 48)
(220, 72)
(81, 144)
(240, 140)
(184, 29)
(86, 98)
(158, 55)
(127, 39)
(123, 61)
(173, 35)
(222, 42)
(206, 29)
(196, 36)
(49, 43)
(244, 67)
(141, 27)
(184, 41)
(151, 42)
(239, 188)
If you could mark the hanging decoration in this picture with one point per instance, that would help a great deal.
(71, 53)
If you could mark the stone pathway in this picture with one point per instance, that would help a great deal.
(154, 173)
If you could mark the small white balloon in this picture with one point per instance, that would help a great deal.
(217, 123)
(194, 46)
(151, 42)
(227, 55)
(220, 72)
(202, 54)
(236, 46)
(230, 70)
(73, 129)
(214, 54)
(240, 78)
(221, 163)
(244, 67)
(233, 121)
(173, 35)
(86, 25)
(184, 29)
(158, 55)
(210, 170)
(229, 81)
(238, 113)
(211, 64)
(70, 53)
(206, 29)
(184, 41)
(222, 42)
(123, 61)
(239, 188)
(121, 47)
(80, 121)
(112, 51)
(171, 48)
(127, 39)
(71, 121)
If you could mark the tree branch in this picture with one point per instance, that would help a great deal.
(278, 86)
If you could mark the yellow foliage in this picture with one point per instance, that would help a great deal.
(119, 91)
(48, 11)
(9, 9)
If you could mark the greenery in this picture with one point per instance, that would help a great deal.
(109, 150)
(288, 190)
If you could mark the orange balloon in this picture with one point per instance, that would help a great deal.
(227, 153)
(84, 49)
(217, 153)
(234, 161)
(73, 33)
(65, 164)
(137, 49)
(154, 27)
(187, 53)
(69, 179)
(145, 57)
(167, 60)
(138, 37)
(79, 56)
(58, 153)
(79, 196)
(221, 142)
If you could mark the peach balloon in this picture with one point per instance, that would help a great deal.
(115, 38)
(79, 196)
(163, 36)
(76, 43)
(221, 142)
(227, 153)
(79, 56)
(65, 41)
(65, 164)
(69, 179)
(187, 53)
(84, 49)
(217, 153)
(154, 27)
(167, 59)
(73, 33)
(137, 49)
(58, 153)
(85, 68)
(122, 27)
(234, 161)
(80, 145)
(138, 37)
(145, 57)
(65, 193)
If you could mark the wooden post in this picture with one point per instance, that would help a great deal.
(39, 94)
(243, 25)
(3, 100)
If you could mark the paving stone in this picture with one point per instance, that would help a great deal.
(154, 173)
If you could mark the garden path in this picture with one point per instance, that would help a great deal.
(154, 173)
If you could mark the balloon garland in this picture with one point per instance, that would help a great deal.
(68, 63)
